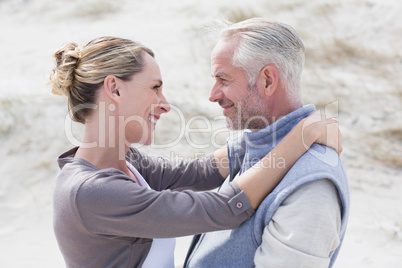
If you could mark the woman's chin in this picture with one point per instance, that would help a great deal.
(147, 141)
(145, 138)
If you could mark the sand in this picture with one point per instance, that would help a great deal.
(353, 68)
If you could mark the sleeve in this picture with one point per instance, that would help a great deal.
(116, 206)
(162, 173)
(304, 229)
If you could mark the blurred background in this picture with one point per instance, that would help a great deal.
(353, 70)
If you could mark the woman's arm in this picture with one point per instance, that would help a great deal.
(330, 137)
(120, 207)
(258, 181)
(176, 174)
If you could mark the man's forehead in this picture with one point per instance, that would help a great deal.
(224, 48)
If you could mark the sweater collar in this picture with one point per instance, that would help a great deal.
(258, 144)
(66, 157)
(279, 129)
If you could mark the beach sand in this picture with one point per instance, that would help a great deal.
(353, 69)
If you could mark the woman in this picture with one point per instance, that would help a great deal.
(106, 214)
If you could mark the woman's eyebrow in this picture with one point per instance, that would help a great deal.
(160, 82)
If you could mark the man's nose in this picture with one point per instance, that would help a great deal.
(216, 93)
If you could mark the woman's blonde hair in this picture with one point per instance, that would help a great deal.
(81, 70)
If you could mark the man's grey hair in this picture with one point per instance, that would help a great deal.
(263, 42)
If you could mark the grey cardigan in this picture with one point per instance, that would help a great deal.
(102, 218)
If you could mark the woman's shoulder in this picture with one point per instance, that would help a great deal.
(77, 173)
(96, 186)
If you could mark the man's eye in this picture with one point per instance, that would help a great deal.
(156, 88)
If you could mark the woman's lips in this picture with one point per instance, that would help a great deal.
(153, 118)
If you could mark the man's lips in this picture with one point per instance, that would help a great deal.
(226, 105)
(227, 108)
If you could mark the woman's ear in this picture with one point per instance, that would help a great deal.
(110, 85)
(268, 80)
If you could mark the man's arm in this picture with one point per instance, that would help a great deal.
(222, 161)
(304, 229)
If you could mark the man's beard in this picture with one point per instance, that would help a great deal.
(250, 113)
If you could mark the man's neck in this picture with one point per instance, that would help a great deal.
(282, 103)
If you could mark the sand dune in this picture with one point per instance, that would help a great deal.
(353, 69)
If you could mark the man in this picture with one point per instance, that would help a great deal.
(257, 67)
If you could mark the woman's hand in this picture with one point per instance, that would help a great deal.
(318, 128)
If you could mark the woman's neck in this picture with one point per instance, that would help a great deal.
(101, 147)
(102, 157)
(105, 158)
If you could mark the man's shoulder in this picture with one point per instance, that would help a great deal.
(319, 163)
(318, 159)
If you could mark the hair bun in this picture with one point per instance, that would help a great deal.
(67, 60)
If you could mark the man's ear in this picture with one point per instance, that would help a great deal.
(110, 85)
(268, 80)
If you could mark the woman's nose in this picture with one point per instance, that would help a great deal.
(164, 105)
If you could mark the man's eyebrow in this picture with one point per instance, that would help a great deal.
(218, 74)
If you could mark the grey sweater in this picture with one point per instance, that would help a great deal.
(102, 218)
